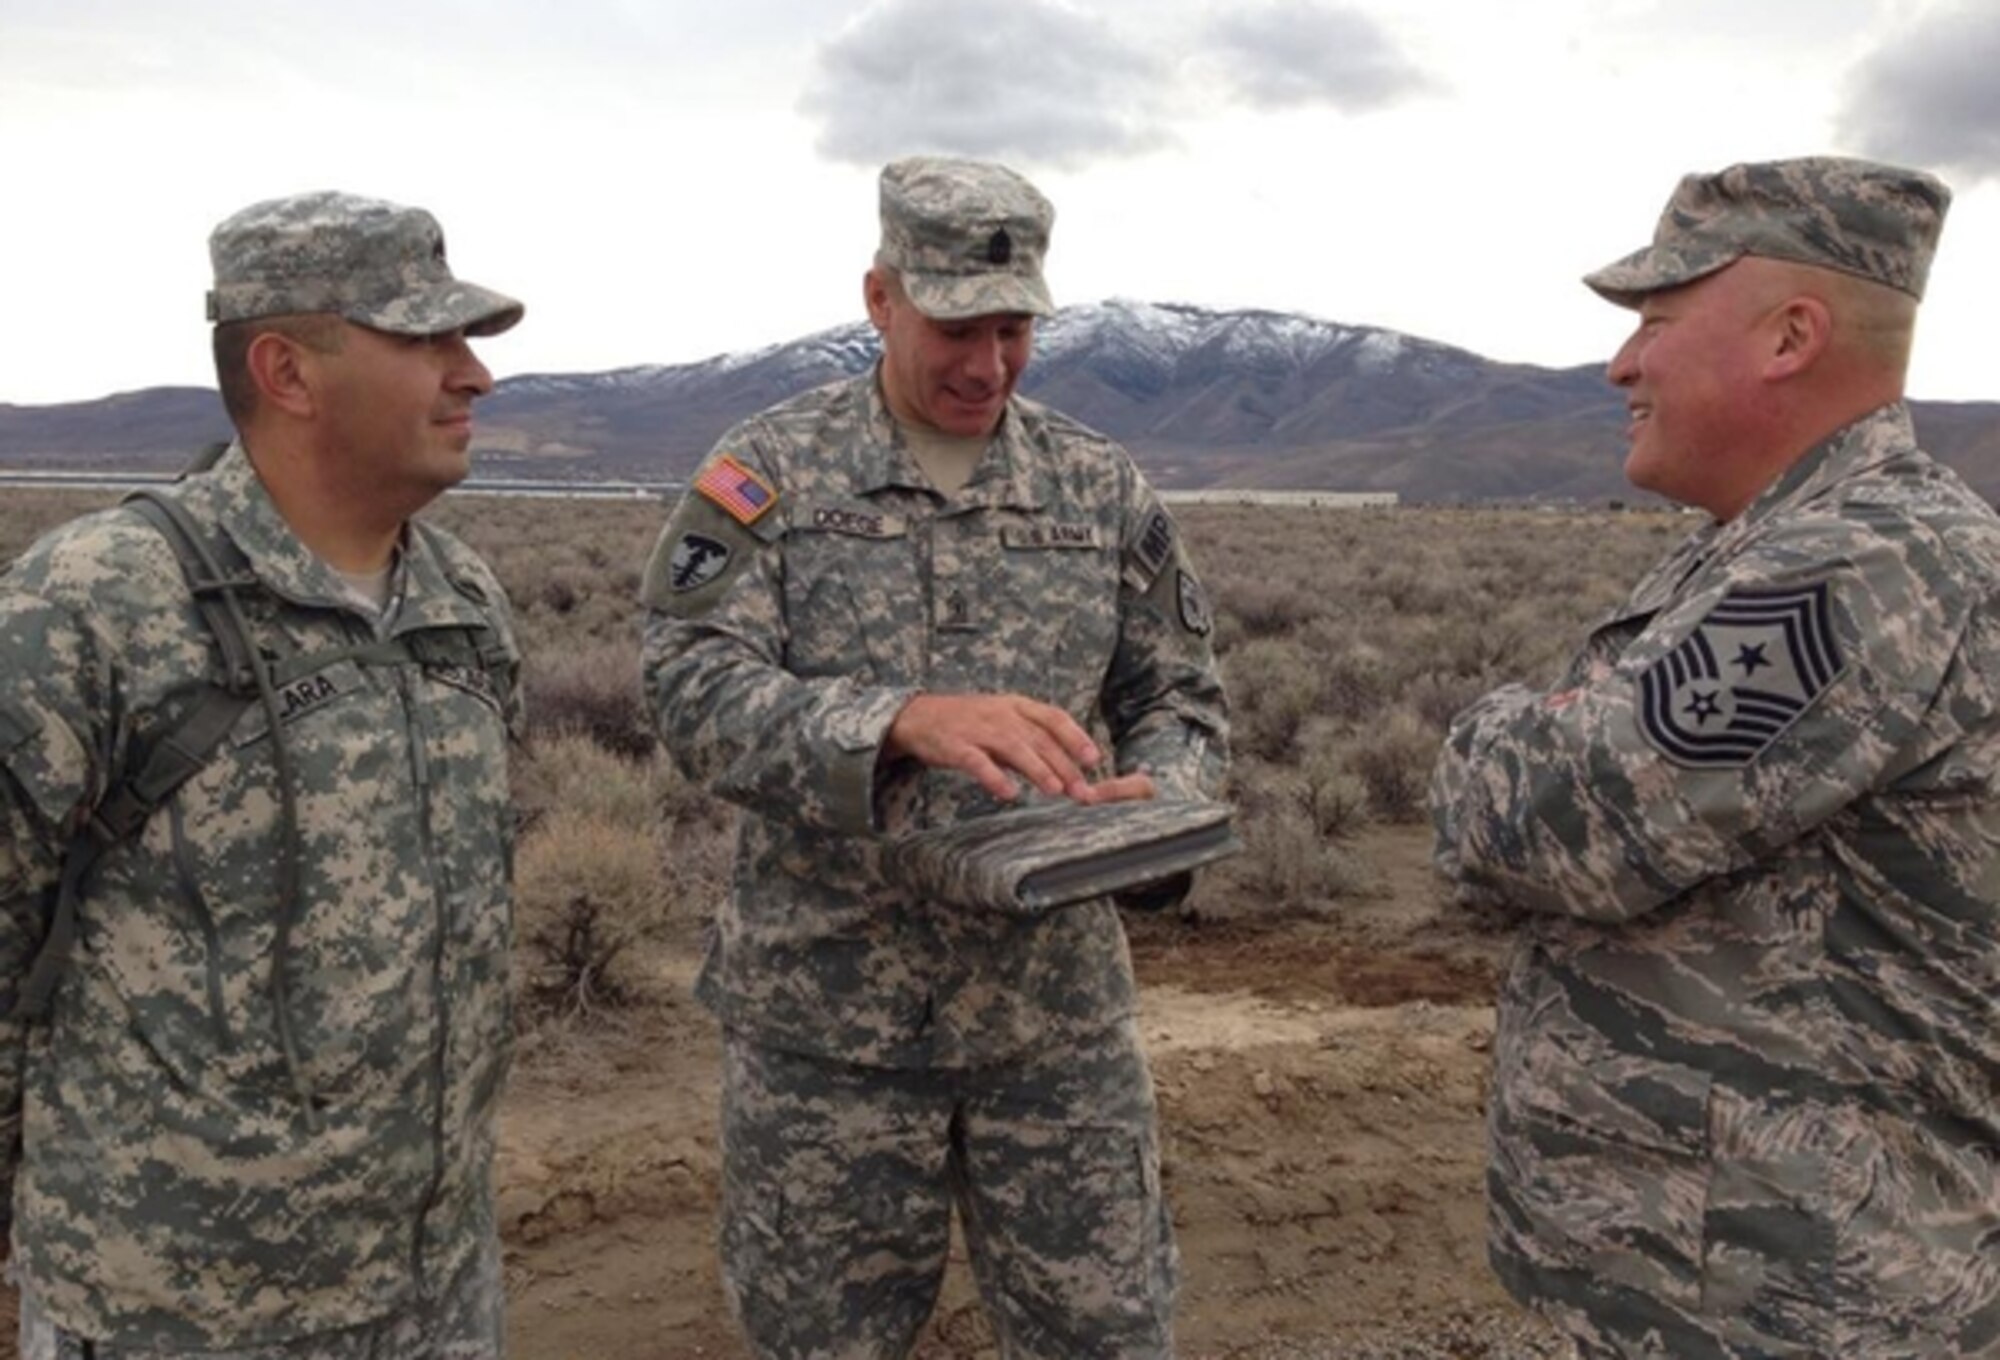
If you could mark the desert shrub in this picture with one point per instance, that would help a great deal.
(1393, 762)
(573, 975)
(570, 852)
(571, 770)
(1264, 608)
(1334, 800)
(559, 592)
(593, 692)
(1273, 689)
(1437, 699)
(1355, 679)
(1287, 867)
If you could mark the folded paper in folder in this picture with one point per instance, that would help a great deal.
(1031, 859)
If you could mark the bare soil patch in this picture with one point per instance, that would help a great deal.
(1321, 1085)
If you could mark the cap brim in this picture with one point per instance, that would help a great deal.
(453, 306)
(1652, 269)
(955, 297)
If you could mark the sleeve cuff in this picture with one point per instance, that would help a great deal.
(856, 750)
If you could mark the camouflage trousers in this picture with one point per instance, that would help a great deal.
(466, 1321)
(839, 1183)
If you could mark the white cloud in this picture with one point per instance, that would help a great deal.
(1929, 95)
(1295, 52)
(1028, 81)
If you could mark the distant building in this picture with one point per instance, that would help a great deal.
(1324, 500)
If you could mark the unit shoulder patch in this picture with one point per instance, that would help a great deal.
(1195, 616)
(1754, 663)
(696, 560)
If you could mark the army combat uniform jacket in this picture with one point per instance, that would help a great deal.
(1747, 1076)
(177, 1181)
(796, 607)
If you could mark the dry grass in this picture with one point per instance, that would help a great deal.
(1348, 639)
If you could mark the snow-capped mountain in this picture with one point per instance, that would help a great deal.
(1202, 397)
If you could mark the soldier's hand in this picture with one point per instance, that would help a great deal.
(1122, 788)
(993, 737)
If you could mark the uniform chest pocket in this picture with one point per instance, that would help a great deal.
(852, 587)
(307, 704)
(1056, 586)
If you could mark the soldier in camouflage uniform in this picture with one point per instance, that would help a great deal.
(1747, 1076)
(257, 1120)
(883, 604)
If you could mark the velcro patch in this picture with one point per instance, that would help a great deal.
(473, 680)
(1194, 605)
(1048, 534)
(1750, 667)
(1155, 543)
(837, 519)
(742, 494)
(308, 694)
(697, 559)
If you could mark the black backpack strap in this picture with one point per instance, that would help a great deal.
(158, 764)
(210, 586)
(183, 750)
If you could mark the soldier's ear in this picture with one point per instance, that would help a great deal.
(875, 293)
(1800, 331)
(279, 366)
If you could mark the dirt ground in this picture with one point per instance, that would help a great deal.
(1321, 1086)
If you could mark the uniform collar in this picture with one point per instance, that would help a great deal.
(1877, 437)
(1881, 435)
(233, 498)
(1001, 478)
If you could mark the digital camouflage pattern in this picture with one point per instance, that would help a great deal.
(966, 237)
(1046, 854)
(840, 1255)
(1051, 575)
(1747, 1076)
(377, 264)
(1880, 222)
(855, 1005)
(465, 1322)
(169, 1187)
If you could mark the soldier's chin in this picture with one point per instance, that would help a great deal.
(967, 420)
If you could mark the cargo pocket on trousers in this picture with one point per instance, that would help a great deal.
(1609, 1168)
(1091, 1247)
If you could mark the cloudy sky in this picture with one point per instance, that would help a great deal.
(663, 180)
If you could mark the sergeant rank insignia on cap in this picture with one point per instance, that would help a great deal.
(1752, 665)
(738, 490)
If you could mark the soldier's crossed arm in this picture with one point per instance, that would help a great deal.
(1739, 720)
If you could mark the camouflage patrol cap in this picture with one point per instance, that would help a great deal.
(1878, 222)
(967, 237)
(377, 264)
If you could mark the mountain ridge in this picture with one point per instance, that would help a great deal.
(1203, 398)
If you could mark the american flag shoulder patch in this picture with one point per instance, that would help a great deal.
(740, 492)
